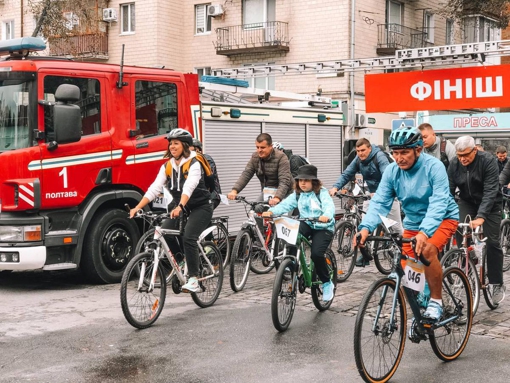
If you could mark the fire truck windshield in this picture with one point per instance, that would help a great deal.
(14, 101)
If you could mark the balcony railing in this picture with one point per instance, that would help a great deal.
(252, 38)
(93, 46)
(391, 37)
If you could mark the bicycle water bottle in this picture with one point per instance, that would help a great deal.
(424, 296)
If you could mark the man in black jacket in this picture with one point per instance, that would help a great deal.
(476, 175)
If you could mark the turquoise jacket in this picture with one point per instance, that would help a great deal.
(310, 206)
(423, 192)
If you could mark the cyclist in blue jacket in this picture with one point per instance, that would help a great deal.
(312, 201)
(420, 182)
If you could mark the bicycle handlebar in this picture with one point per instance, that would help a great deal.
(158, 218)
(362, 197)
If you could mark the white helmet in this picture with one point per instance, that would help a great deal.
(278, 145)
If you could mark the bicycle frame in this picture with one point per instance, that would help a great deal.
(300, 258)
(161, 244)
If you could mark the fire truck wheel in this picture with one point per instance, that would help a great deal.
(109, 245)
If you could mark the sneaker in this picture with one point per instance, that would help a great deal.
(192, 286)
(360, 262)
(328, 291)
(433, 312)
(498, 293)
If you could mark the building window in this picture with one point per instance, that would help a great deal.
(8, 30)
(127, 18)
(257, 12)
(395, 11)
(202, 19)
(478, 29)
(429, 26)
(449, 32)
(205, 71)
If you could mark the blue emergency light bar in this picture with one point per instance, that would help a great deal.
(22, 45)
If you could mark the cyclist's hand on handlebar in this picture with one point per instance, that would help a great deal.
(232, 195)
(267, 214)
(477, 222)
(175, 212)
(360, 238)
(324, 219)
(333, 191)
(421, 241)
(132, 212)
(274, 201)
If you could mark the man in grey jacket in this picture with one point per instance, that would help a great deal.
(271, 167)
(432, 145)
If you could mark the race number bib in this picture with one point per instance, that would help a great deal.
(269, 192)
(287, 229)
(162, 200)
(414, 275)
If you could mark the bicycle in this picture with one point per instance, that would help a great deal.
(219, 236)
(296, 273)
(346, 229)
(143, 287)
(505, 230)
(381, 322)
(478, 280)
(246, 255)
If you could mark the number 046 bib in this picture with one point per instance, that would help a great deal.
(414, 275)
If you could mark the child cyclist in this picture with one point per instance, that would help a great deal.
(312, 201)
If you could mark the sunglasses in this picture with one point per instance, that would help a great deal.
(465, 155)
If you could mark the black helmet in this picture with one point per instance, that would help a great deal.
(197, 143)
(181, 135)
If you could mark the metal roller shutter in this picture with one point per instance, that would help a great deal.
(325, 146)
(231, 146)
(292, 136)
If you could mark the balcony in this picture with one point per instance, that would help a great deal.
(92, 46)
(267, 37)
(392, 37)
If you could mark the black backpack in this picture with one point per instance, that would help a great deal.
(442, 151)
(296, 161)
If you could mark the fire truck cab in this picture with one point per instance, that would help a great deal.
(78, 141)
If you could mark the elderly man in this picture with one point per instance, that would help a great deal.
(437, 147)
(476, 176)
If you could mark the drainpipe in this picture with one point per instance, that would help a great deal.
(21, 23)
(351, 74)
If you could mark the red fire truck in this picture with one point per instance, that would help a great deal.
(78, 141)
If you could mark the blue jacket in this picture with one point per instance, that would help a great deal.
(423, 191)
(368, 169)
(309, 206)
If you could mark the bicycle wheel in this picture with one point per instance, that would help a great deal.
(222, 241)
(379, 345)
(505, 243)
(211, 287)
(260, 263)
(317, 284)
(381, 252)
(488, 290)
(141, 306)
(448, 341)
(456, 257)
(240, 260)
(345, 259)
(283, 300)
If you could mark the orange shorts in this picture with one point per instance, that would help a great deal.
(440, 238)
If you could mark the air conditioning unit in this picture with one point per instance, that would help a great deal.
(361, 120)
(109, 14)
(215, 10)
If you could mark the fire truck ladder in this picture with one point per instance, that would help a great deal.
(407, 58)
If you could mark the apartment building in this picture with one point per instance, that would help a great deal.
(191, 35)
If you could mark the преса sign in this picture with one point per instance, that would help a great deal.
(459, 88)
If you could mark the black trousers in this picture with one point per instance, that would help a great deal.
(491, 229)
(320, 243)
(199, 219)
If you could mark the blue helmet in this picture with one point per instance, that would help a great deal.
(405, 138)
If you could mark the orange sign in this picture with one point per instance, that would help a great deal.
(459, 88)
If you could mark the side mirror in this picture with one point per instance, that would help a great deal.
(67, 117)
